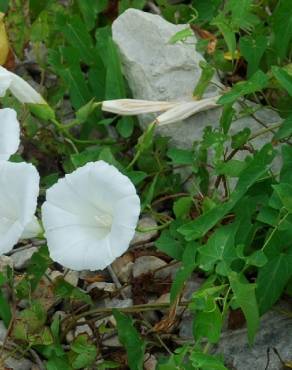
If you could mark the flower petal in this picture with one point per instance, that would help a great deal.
(186, 109)
(19, 88)
(130, 107)
(9, 133)
(10, 233)
(5, 81)
(32, 229)
(19, 187)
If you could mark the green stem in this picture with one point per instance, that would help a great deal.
(265, 130)
(274, 230)
(149, 229)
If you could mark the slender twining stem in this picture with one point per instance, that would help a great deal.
(156, 228)
(265, 130)
(274, 230)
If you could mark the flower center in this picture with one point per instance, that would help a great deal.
(104, 221)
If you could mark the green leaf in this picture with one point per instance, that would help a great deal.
(286, 170)
(253, 171)
(257, 258)
(88, 155)
(240, 138)
(136, 176)
(204, 80)
(205, 361)
(57, 363)
(38, 265)
(241, 16)
(208, 324)
(282, 27)
(225, 28)
(220, 247)
(78, 89)
(181, 35)
(125, 126)
(171, 242)
(5, 311)
(188, 266)
(130, 339)
(271, 281)
(90, 9)
(182, 206)
(146, 139)
(77, 36)
(226, 117)
(232, 168)
(257, 82)
(4, 5)
(285, 130)
(284, 79)
(245, 297)
(252, 48)
(82, 352)
(181, 156)
(115, 87)
(62, 289)
(284, 192)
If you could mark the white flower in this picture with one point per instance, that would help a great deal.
(9, 133)
(18, 87)
(19, 188)
(186, 109)
(90, 216)
(131, 107)
(32, 229)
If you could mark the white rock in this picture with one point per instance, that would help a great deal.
(22, 258)
(274, 332)
(72, 277)
(146, 264)
(18, 363)
(101, 285)
(123, 267)
(150, 362)
(55, 274)
(145, 223)
(157, 70)
(83, 329)
(112, 341)
(168, 272)
(118, 303)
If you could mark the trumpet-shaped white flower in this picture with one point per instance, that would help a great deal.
(19, 188)
(131, 107)
(18, 87)
(186, 109)
(90, 216)
(9, 133)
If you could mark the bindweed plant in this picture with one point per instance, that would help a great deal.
(76, 171)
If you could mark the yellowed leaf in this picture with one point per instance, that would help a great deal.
(4, 43)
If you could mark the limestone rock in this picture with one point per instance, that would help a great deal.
(274, 332)
(21, 259)
(158, 70)
(123, 267)
(146, 264)
(145, 223)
